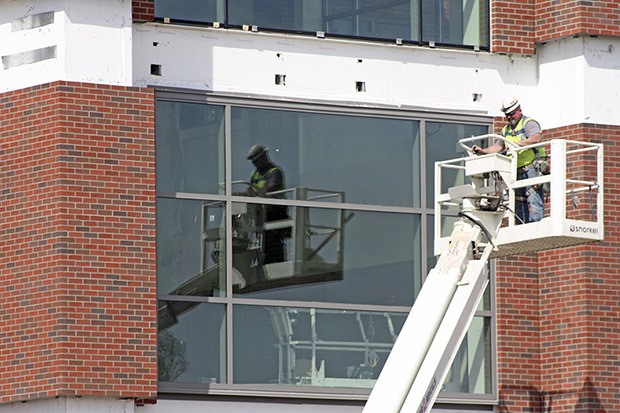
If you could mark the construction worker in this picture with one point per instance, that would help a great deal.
(523, 131)
(268, 178)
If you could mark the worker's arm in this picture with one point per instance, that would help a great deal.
(531, 140)
(536, 137)
(533, 134)
(495, 148)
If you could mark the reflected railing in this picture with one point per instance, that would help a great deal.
(305, 246)
(304, 345)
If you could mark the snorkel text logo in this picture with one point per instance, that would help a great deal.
(583, 230)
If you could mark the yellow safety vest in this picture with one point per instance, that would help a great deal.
(260, 181)
(517, 134)
(273, 212)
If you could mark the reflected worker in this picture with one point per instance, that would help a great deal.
(268, 178)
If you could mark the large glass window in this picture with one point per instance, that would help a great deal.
(449, 22)
(291, 243)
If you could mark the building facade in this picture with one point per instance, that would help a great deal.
(131, 276)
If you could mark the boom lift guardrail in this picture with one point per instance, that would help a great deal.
(485, 228)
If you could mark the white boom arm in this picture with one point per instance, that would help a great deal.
(417, 366)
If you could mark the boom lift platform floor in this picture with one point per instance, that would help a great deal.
(481, 204)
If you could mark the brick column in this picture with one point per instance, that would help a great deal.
(559, 313)
(77, 240)
(512, 26)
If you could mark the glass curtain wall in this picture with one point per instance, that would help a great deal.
(291, 243)
(447, 22)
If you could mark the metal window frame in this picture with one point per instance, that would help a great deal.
(319, 107)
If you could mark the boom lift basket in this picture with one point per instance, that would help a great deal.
(477, 195)
(475, 198)
(573, 196)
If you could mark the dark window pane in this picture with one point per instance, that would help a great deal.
(191, 345)
(294, 15)
(455, 22)
(386, 19)
(383, 19)
(190, 10)
(190, 147)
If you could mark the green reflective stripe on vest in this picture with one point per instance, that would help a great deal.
(517, 134)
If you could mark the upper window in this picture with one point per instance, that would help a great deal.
(442, 22)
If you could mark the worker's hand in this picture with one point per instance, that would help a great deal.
(477, 150)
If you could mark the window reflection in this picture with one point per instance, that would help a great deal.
(192, 347)
(330, 255)
(312, 347)
(350, 155)
(302, 239)
(298, 249)
(471, 370)
(190, 247)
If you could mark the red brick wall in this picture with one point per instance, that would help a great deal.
(77, 241)
(559, 313)
(566, 18)
(143, 10)
(512, 26)
(518, 339)
(517, 25)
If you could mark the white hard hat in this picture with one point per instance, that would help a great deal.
(509, 104)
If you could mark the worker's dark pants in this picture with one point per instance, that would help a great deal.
(274, 247)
